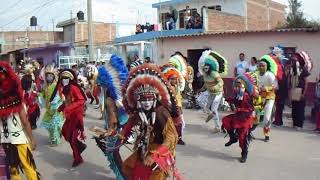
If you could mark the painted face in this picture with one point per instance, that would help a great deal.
(206, 69)
(49, 77)
(147, 104)
(65, 81)
(173, 81)
(262, 67)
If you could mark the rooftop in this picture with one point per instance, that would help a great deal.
(309, 30)
(169, 3)
(57, 45)
(157, 34)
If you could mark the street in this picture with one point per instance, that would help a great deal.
(289, 155)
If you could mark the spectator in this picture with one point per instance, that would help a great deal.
(171, 25)
(187, 16)
(253, 65)
(198, 22)
(75, 69)
(241, 65)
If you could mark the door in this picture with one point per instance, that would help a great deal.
(193, 58)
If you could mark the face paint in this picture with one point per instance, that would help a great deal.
(50, 78)
(206, 68)
(147, 104)
(65, 81)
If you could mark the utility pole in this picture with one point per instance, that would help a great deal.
(90, 34)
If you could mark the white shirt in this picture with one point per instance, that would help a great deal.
(241, 67)
(12, 131)
(267, 80)
(252, 68)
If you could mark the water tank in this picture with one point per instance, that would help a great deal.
(33, 21)
(80, 16)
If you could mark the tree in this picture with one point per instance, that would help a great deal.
(295, 18)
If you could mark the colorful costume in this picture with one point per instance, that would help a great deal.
(94, 91)
(73, 109)
(177, 81)
(51, 100)
(268, 84)
(30, 96)
(151, 104)
(239, 123)
(111, 78)
(211, 65)
(15, 129)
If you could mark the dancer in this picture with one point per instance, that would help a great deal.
(30, 96)
(239, 123)
(211, 65)
(112, 77)
(176, 80)
(149, 101)
(51, 100)
(270, 71)
(16, 134)
(73, 109)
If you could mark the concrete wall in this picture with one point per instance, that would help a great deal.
(48, 55)
(36, 39)
(252, 44)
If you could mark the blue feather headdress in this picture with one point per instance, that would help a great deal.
(112, 76)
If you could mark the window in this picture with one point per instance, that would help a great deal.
(217, 7)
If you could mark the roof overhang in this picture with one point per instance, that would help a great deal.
(169, 3)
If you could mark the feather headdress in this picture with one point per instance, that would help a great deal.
(216, 61)
(273, 65)
(250, 81)
(147, 78)
(169, 72)
(306, 60)
(180, 64)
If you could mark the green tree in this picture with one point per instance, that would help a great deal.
(295, 18)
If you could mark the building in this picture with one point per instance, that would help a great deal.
(14, 40)
(224, 15)
(76, 31)
(216, 16)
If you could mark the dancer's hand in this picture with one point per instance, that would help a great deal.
(148, 161)
(33, 144)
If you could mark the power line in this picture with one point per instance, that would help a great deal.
(7, 9)
(23, 15)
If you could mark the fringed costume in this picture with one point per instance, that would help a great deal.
(52, 100)
(211, 65)
(270, 71)
(177, 81)
(151, 104)
(239, 123)
(94, 90)
(73, 110)
(16, 134)
(111, 78)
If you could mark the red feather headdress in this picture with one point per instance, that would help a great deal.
(10, 91)
(145, 80)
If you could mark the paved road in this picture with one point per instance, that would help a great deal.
(290, 155)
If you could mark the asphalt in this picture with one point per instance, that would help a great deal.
(290, 154)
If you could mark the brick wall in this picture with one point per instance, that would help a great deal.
(36, 39)
(102, 32)
(258, 14)
(220, 21)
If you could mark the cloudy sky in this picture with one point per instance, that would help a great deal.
(15, 14)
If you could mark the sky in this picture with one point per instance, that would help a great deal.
(15, 14)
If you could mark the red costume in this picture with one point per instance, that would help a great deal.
(239, 123)
(241, 120)
(33, 108)
(73, 109)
